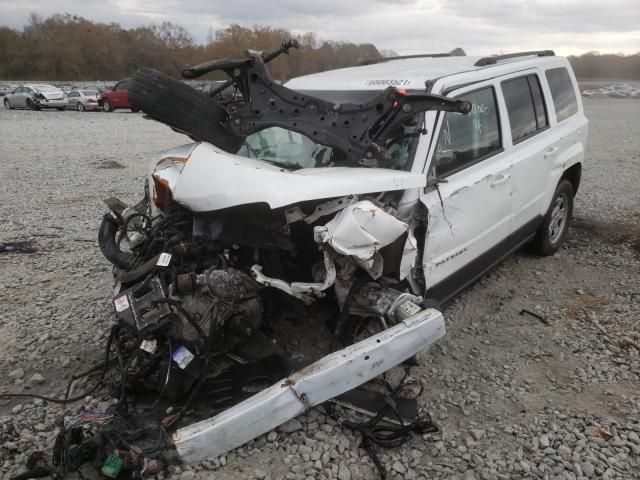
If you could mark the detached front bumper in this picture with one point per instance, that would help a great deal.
(327, 378)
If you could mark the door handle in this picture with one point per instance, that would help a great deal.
(499, 179)
(549, 152)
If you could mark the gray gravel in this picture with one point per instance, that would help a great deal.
(515, 397)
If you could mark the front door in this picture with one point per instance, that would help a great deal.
(120, 94)
(21, 98)
(469, 197)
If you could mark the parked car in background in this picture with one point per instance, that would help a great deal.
(116, 98)
(83, 100)
(6, 88)
(36, 97)
(93, 87)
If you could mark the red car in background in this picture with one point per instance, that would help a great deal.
(117, 97)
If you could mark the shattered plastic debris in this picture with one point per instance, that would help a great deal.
(360, 231)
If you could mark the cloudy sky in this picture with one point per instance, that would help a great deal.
(405, 26)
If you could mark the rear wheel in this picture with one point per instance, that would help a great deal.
(80, 107)
(553, 230)
(7, 104)
(106, 106)
(182, 107)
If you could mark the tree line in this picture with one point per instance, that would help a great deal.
(596, 65)
(69, 47)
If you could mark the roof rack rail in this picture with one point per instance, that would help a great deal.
(484, 61)
(372, 61)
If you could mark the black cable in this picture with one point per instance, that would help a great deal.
(343, 324)
(386, 436)
(207, 351)
(166, 381)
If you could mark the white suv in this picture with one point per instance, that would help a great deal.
(376, 191)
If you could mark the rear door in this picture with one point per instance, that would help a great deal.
(531, 144)
(469, 197)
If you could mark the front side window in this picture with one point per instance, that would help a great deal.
(525, 105)
(468, 139)
(562, 92)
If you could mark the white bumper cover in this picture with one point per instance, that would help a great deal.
(327, 378)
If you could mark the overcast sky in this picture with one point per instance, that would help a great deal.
(406, 26)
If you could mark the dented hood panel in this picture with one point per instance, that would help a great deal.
(212, 179)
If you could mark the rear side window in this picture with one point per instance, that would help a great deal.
(562, 92)
(468, 139)
(525, 105)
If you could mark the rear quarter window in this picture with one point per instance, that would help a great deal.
(562, 92)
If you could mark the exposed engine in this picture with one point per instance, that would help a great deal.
(194, 286)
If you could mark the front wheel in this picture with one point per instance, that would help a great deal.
(31, 105)
(7, 105)
(106, 106)
(551, 233)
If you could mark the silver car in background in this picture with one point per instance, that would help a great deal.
(6, 88)
(83, 100)
(36, 97)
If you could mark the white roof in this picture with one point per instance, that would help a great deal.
(406, 73)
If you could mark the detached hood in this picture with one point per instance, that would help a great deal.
(204, 178)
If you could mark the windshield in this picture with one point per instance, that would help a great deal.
(293, 150)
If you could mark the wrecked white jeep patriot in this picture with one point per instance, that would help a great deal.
(379, 190)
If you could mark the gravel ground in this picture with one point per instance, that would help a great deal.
(516, 397)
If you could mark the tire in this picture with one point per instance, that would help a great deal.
(80, 107)
(31, 105)
(106, 106)
(555, 225)
(134, 110)
(7, 105)
(182, 108)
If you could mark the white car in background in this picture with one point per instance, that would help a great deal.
(36, 97)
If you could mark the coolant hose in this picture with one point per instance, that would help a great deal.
(109, 247)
